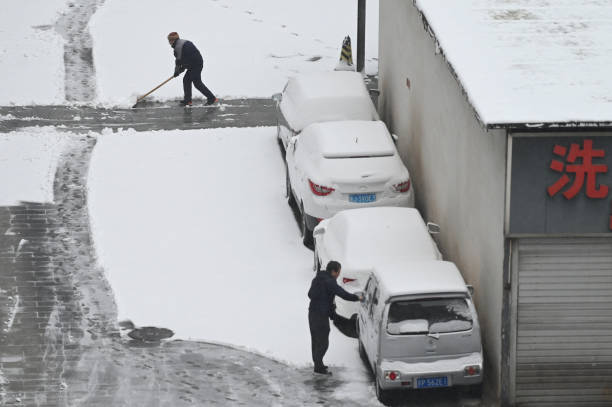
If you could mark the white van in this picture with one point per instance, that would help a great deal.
(418, 328)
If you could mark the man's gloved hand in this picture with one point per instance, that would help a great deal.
(178, 70)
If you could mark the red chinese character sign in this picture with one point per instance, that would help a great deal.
(579, 162)
(560, 184)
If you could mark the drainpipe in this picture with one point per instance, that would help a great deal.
(361, 20)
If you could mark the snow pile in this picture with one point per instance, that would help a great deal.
(528, 62)
(250, 47)
(28, 160)
(31, 53)
(196, 236)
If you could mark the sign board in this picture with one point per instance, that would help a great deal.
(561, 185)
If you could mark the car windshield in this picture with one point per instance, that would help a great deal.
(435, 315)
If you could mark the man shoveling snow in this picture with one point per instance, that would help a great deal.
(189, 58)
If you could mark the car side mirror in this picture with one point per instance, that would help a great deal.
(470, 289)
(277, 97)
(433, 228)
(395, 138)
(318, 231)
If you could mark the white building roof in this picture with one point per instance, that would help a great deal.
(528, 61)
(351, 139)
(419, 277)
(326, 96)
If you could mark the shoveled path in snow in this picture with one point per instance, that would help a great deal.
(60, 344)
(80, 75)
(146, 116)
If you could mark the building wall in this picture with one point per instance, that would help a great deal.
(458, 168)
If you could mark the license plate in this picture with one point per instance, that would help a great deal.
(427, 382)
(362, 198)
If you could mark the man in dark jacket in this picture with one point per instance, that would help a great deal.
(189, 58)
(322, 292)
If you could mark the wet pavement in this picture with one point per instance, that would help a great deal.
(146, 116)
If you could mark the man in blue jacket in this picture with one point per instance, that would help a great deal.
(323, 290)
(189, 58)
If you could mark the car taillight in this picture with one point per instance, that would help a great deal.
(348, 280)
(402, 186)
(471, 370)
(392, 375)
(320, 190)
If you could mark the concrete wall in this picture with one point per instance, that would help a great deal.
(457, 167)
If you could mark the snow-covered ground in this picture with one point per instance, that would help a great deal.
(196, 236)
(28, 160)
(31, 52)
(250, 47)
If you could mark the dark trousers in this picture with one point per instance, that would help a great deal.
(319, 337)
(194, 75)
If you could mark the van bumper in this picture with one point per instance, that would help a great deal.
(453, 369)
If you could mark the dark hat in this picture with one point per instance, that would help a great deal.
(173, 36)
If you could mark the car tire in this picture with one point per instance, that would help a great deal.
(381, 395)
(288, 191)
(306, 233)
(362, 353)
(280, 144)
(316, 265)
(474, 390)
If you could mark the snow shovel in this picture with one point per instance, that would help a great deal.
(152, 90)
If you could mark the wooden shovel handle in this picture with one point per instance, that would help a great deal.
(154, 89)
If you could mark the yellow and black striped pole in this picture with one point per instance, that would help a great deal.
(346, 55)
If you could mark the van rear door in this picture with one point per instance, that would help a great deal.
(429, 328)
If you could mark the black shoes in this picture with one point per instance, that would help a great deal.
(211, 101)
(322, 370)
(185, 103)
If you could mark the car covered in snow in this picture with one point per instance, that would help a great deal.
(321, 97)
(339, 165)
(360, 239)
(418, 328)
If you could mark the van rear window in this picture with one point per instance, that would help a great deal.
(436, 315)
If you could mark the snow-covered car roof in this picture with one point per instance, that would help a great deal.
(419, 277)
(398, 233)
(326, 96)
(350, 139)
(528, 62)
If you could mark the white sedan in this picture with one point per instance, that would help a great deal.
(362, 239)
(321, 97)
(333, 166)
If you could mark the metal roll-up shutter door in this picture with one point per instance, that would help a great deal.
(564, 322)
